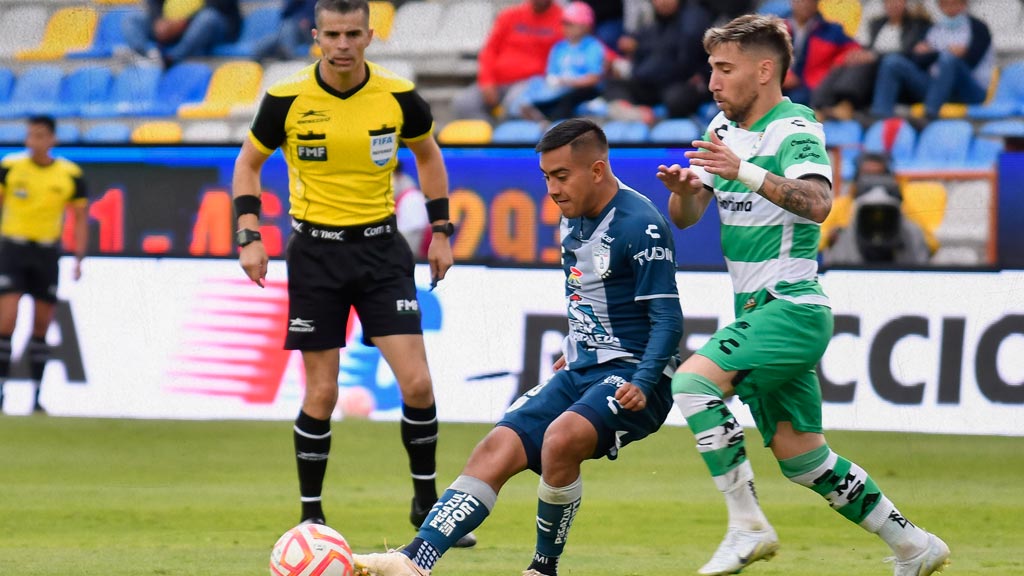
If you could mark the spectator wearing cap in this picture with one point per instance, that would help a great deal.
(575, 70)
(516, 49)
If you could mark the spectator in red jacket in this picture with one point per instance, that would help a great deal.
(818, 45)
(516, 49)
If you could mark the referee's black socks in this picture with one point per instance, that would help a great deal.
(312, 447)
(419, 435)
(5, 364)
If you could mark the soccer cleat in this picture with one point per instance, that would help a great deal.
(740, 549)
(531, 572)
(931, 560)
(390, 563)
(418, 515)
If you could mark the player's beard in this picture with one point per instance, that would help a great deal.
(738, 111)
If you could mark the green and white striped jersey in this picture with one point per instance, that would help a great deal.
(769, 250)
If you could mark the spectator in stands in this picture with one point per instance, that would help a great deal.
(294, 36)
(667, 64)
(575, 70)
(953, 64)
(609, 20)
(170, 31)
(818, 46)
(877, 232)
(516, 49)
(850, 85)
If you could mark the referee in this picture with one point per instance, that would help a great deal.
(338, 123)
(36, 190)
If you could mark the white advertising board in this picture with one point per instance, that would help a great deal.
(193, 339)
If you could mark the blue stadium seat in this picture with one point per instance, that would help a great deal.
(6, 84)
(1008, 99)
(67, 133)
(943, 144)
(675, 131)
(846, 135)
(184, 83)
(13, 133)
(108, 35)
(901, 148)
(626, 131)
(1002, 129)
(256, 26)
(984, 152)
(706, 113)
(85, 86)
(134, 89)
(107, 133)
(35, 91)
(780, 8)
(517, 132)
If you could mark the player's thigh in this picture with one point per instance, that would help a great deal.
(13, 262)
(530, 415)
(42, 273)
(387, 303)
(616, 427)
(318, 294)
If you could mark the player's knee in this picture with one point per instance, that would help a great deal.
(568, 442)
(417, 390)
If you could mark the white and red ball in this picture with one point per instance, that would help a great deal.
(311, 550)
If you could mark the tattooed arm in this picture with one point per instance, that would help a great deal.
(809, 197)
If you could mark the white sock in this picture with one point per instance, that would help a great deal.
(905, 539)
(741, 499)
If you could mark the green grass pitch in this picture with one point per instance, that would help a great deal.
(89, 497)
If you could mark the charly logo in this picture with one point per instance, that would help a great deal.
(383, 143)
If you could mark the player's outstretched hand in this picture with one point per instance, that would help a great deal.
(631, 397)
(679, 180)
(253, 259)
(715, 157)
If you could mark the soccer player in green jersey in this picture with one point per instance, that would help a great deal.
(764, 162)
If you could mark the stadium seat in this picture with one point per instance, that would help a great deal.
(706, 113)
(207, 132)
(984, 153)
(256, 26)
(13, 133)
(132, 92)
(416, 24)
(67, 133)
(1008, 99)
(466, 132)
(951, 110)
(893, 136)
(780, 8)
(675, 131)
(845, 12)
(35, 91)
(382, 17)
(626, 131)
(943, 144)
(232, 83)
(845, 135)
(107, 133)
(465, 25)
(517, 132)
(6, 84)
(86, 86)
(184, 83)
(157, 132)
(22, 27)
(272, 74)
(108, 35)
(924, 202)
(70, 28)
(1003, 128)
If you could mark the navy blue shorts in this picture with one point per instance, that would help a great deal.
(590, 393)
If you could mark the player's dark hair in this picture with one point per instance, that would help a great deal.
(342, 7)
(578, 133)
(755, 32)
(43, 120)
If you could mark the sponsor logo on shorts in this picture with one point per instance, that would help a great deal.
(300, 325)
(406, 306)
(336, 235)
(377, 230)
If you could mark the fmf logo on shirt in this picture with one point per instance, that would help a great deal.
(312, 153)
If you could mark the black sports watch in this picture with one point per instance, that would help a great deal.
(245, 236)
(447, 229)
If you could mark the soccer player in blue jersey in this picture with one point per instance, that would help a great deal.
(612, 384)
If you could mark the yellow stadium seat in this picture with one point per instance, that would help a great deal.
(845, 12)
(466, 132)
(924, 202)
(157, 132)
(232, 84)
(382, 15)
(955, 110)
(68, 29)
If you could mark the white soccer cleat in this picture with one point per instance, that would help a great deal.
(390, 563)
(740, 549)
(931, 560)
(531, 572)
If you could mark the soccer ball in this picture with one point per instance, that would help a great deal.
(311, 550)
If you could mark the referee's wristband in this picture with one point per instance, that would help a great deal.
(751, 175)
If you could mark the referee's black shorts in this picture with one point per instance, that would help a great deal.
(327, 278)
(29, 268)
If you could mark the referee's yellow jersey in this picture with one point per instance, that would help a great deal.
(35, 197)
(340, 147)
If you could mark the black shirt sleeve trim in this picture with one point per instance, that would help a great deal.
(81, 189)
(268, 125)
(417, 119)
